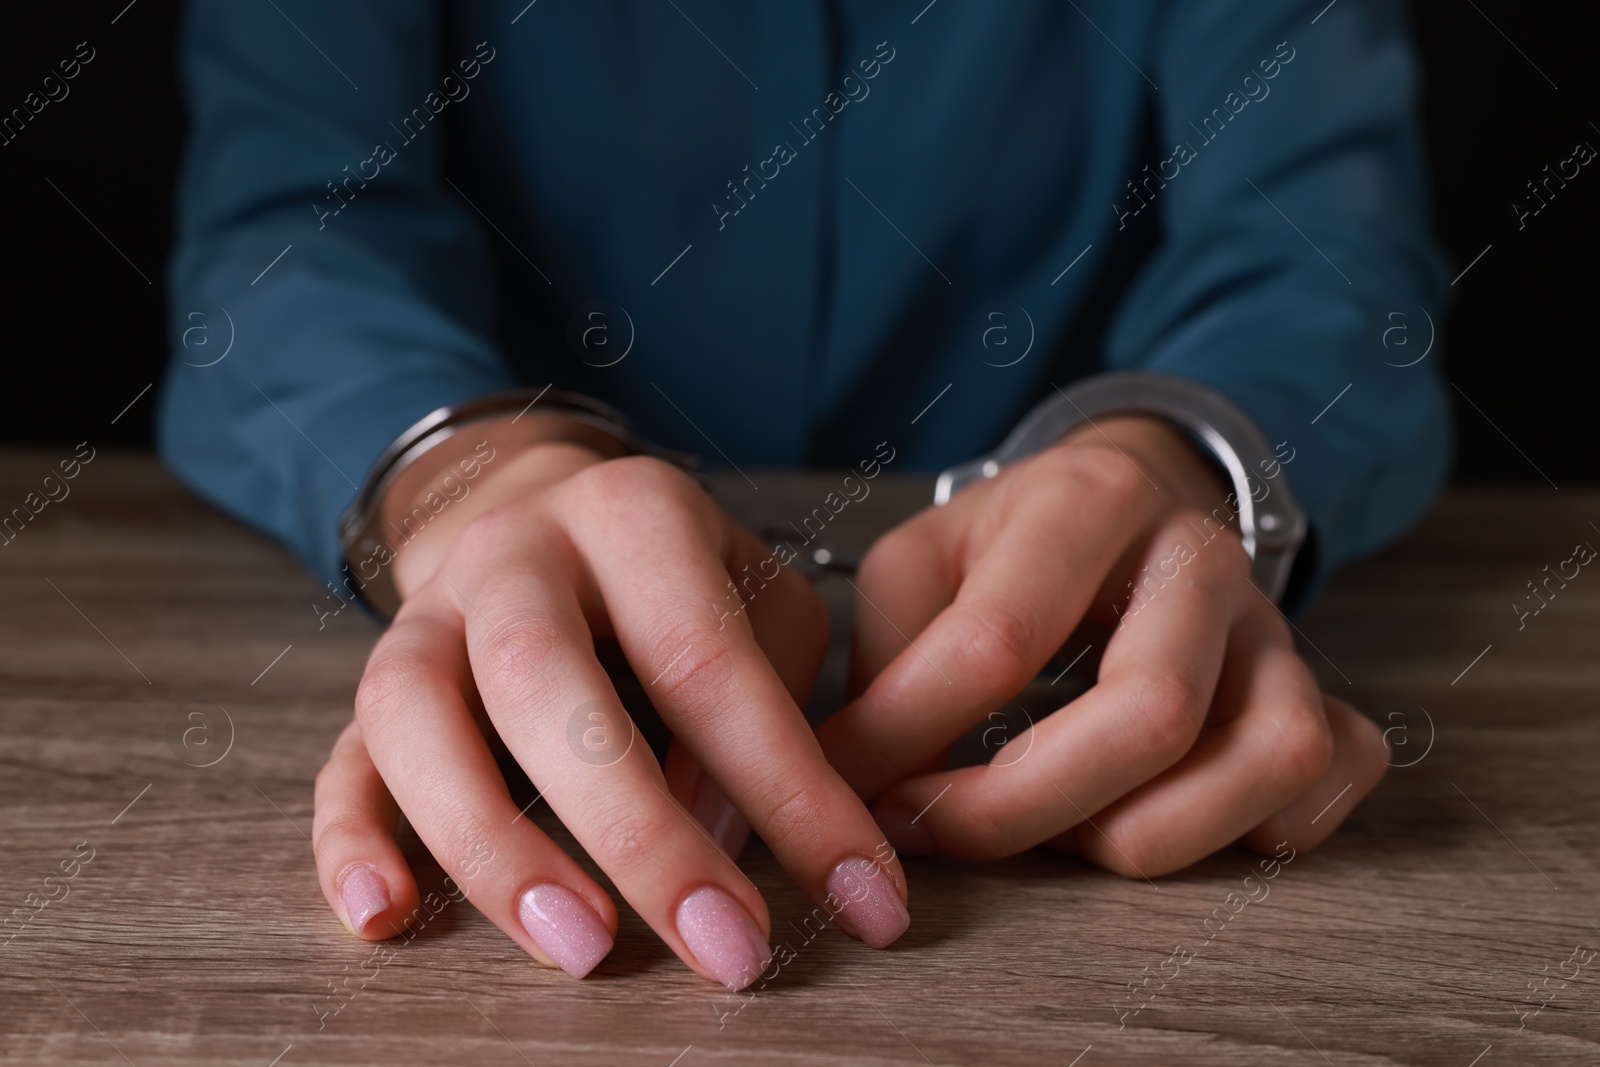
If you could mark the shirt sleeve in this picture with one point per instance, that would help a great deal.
(1289, 191)
(328, 288)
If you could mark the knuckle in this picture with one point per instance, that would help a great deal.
(624, 481)
(467, 834)
(1106, 473)
(1130, 853)
(1169, 709)
(483, 535)
(332, 829)
(793, 816)
(628, 840)
(883, 555)
(385, 687)
(1002, 637)
(641, 494)
(1305, 747)
(513, 654)
(916, 542)
(696, 665)
(1231, 561)
(977, 833)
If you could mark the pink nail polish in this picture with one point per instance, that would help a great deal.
(723, 937)
(903, 833)
(717, 814)
(565, 927)
(365, 895)
(869, 905)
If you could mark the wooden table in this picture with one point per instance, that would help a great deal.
(192, 931)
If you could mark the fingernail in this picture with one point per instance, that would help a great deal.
(723, 937)
(718, 815)
(900, 827)
(365, 895)
(565, 927)
(870, 906)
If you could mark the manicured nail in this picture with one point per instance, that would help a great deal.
(565, 927)
(871, 907)
(718, 815)
(903, 832)
(723, 937)
(365, 895)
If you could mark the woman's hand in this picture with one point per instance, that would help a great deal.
(503, 602)
(1203, 728)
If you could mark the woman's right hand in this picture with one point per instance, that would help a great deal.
(502, 603)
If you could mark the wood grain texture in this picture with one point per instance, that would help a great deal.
(196, 934)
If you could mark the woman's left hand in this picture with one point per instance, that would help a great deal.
(1203, 728)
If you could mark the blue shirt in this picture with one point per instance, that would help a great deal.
(805, 222)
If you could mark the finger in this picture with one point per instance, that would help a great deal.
(1037, 559)
(904, 581)
(1360, 760)
(363, 874)
(430, 752)
(1272, 744)
(791, 626)
(550, 699)
(697, 791)
(787, 617)
(716, 689)
(1157, 679)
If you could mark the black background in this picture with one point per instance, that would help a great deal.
(87, 332)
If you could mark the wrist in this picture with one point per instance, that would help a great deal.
(426, 470)
(1146, 416)
(424, 526)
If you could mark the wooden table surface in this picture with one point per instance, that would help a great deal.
(1452, 921)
